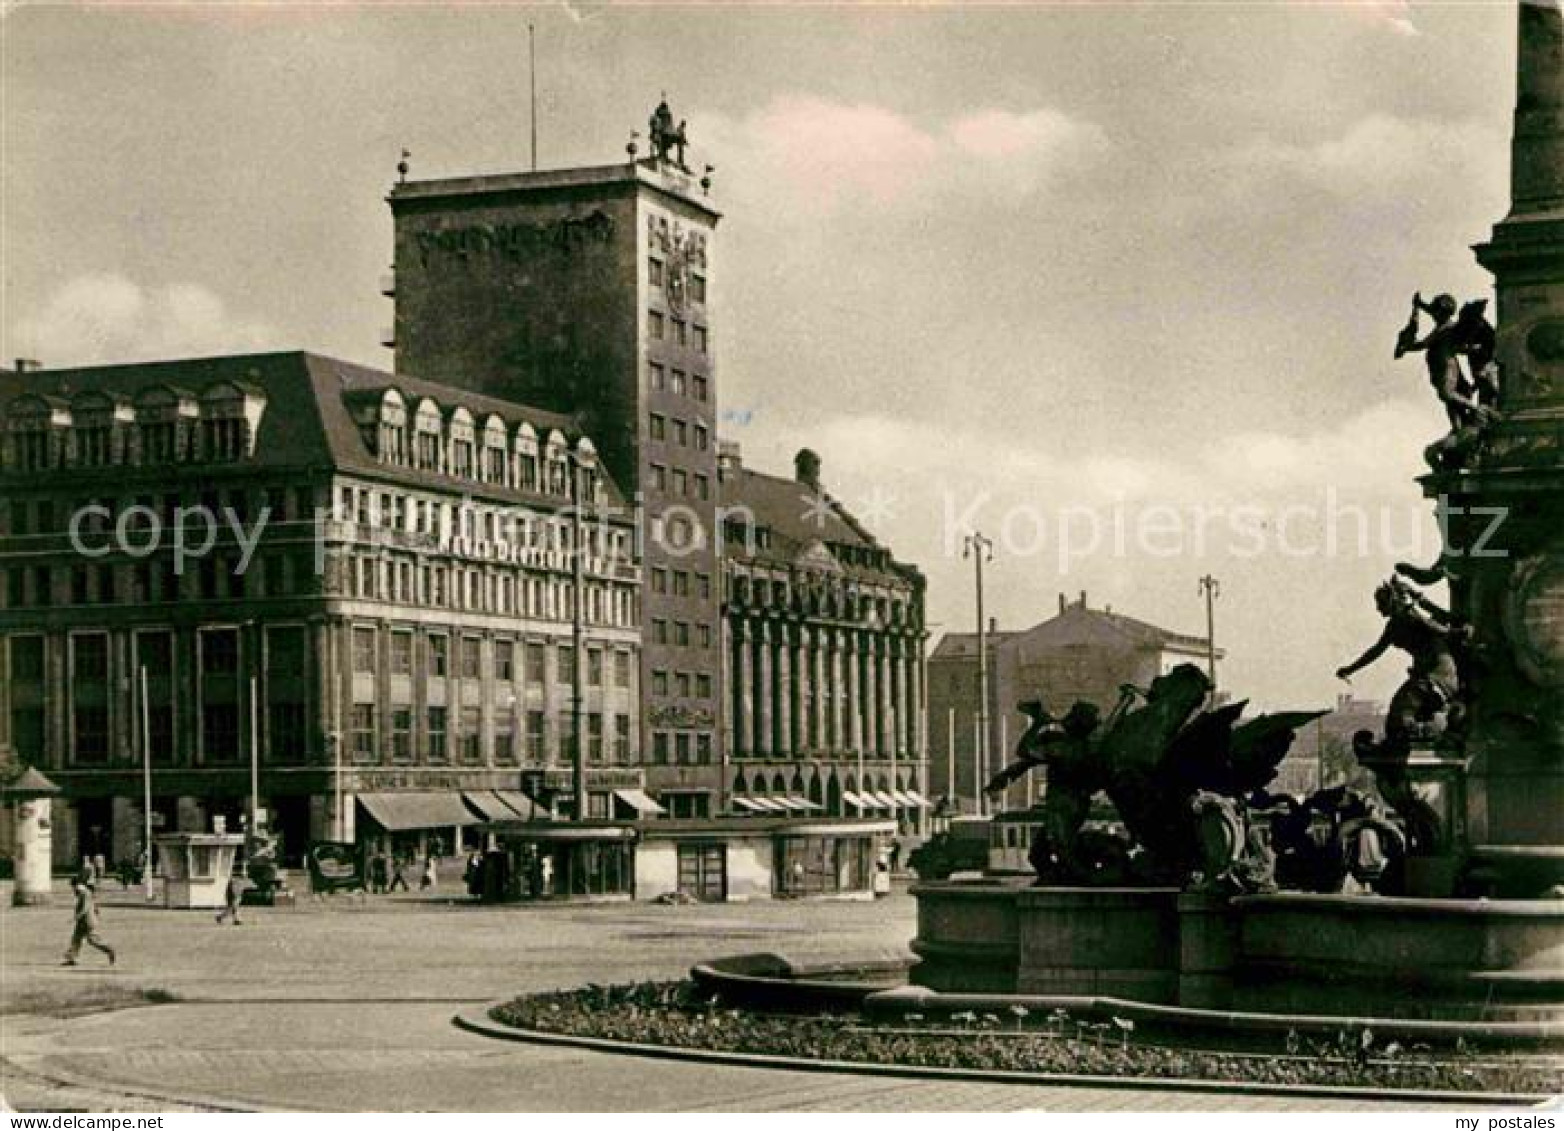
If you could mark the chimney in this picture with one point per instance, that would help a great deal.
(993, 625)
(729, 459)
(806, 469)
(1063, 604)
(1083, 598)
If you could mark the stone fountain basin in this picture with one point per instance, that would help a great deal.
(1284, 954)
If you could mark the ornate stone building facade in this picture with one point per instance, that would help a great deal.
(379, 612)
(823, 641)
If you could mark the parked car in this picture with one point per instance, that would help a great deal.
(963, 847)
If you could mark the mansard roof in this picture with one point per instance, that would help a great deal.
(309, 420)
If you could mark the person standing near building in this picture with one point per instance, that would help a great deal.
(431, 876)
(231, 900)
(86, 927)
(399, 874)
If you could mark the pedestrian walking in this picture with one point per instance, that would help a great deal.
(379, 873)
(231, 901)
(430, 876)
(399, 874)
(86, 927)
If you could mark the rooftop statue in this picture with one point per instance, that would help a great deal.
(668, 140)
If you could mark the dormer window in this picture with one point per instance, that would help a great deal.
(230, 419)
(36, 427)
(526, 447)
(99, 423)
(427, 430)
(495, 451)
(555, 460)
(462, 444)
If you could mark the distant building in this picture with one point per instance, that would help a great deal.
(1080, 654)
(824, 641)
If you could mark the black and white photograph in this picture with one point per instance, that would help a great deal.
(848, 559)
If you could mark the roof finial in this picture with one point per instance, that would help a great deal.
(401, 167)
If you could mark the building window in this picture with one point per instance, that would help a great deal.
(90, 657)
(505, 738)
(702, 487)
(681, 748)
(364, 651)
(697, 287)
(537, 656)
(402, 734)
(681, 334)
(621, 669)
(566, 670)
(681, 483)
(595, 738)
(659, 477)
(681, 583)
(437, 718)
(535, 735)
(681, 683)
(27, 658)
(659, 580)
(285, 733)
(594, 667)
(658, 426)
(505, 661)
(439, 656)
(705, 630)
(703, 749)
(703, 685)
(681, 634)
(659, 632)
(472, 664)
(654, 325)
(702, 438)
(90, 727)
(700, 339)
(680, 433)
(700, 386)
(364, 745)
(660, 748)
(659, 377)
(659, 683)
(677, 386)
(402, 653)
(472, 735)
(654, 271)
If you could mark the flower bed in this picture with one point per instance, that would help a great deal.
(679, 1015)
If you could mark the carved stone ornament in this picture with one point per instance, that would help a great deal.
(1534, 616)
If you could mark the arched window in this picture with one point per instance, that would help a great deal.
(100, 423)
(495, 460)
(166, 420)
(230, 417)
(525, 447)
(556, 464)
(463, 440)
(35, 432)
(586, 458)
(428, 437)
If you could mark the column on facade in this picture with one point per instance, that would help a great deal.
(553, 741)
(854, 707)
(766, 689)
(871, 695)
(903, 702)
(745, 696)
(819, 740)
(887, 719)
(785, 744)
(730, 677)
(837, 740)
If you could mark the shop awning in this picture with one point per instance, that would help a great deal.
(750, 805)
(800, 804)
(503, 805)
(399, 812)
(525, 808)
(885, 800)
(857, 800)
(917, 799)
(639, 801)
(903, 799)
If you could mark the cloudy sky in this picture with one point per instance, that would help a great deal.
(1116, 284)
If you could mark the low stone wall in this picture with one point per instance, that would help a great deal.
(1287, 953)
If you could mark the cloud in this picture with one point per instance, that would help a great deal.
(1384, 156)
(98, 318)
(829, 155)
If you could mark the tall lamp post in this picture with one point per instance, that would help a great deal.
(578, 494)
(1212, 590)
(978, 548)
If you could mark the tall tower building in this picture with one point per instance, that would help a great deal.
(586, 291)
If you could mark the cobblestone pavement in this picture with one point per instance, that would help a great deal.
(346, 1005)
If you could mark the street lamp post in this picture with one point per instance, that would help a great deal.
(1212, 590)
(977, 547)
(578, 638)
